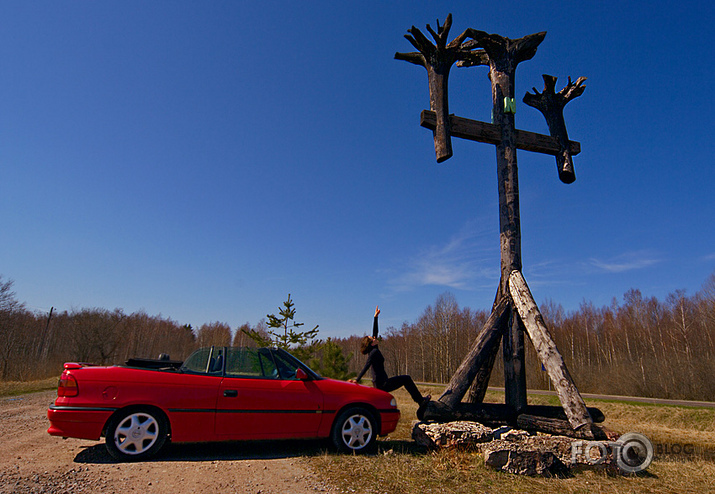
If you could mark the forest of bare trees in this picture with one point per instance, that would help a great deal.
(638, 346)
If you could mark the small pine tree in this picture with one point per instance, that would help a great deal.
(333, 363)
(326, 358)
(289, 338)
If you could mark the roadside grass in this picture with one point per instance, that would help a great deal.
(683, 438)
(14, 388)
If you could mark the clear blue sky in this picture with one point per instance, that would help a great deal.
(201, 160)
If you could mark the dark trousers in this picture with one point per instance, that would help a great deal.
(399, 381)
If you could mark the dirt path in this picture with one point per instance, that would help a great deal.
(31, 461)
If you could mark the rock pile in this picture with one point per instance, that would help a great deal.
(512, 450)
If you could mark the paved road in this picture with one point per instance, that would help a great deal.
(635, 399)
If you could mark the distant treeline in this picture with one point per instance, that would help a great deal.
(638, 347)
(35, 346)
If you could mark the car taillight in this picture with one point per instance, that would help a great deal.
(67, 386)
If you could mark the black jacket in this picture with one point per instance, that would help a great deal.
(375, 361)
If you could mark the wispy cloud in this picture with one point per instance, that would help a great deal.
(628, 261)
(551, 273)
(459, 263)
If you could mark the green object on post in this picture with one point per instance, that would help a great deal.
(509, 105)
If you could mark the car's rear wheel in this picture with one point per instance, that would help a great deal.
(355, 431)
(136, 434)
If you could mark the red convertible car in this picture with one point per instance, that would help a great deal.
(217, 394)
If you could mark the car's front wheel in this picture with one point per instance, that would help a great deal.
(355, 431)
(136, 434)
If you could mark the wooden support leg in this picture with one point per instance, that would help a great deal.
(481, 349)
(571, 400)
(481, 380)
(514, 364)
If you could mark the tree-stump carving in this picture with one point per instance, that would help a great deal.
(438, 59)
(551, 104)
(514, 312)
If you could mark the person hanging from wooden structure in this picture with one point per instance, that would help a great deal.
(514, 311)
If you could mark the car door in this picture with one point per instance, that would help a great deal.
(261, 398)
(190, 396)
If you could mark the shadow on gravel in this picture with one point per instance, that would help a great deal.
(219, 451)
(244, 450)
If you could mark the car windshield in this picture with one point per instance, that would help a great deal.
(292, 360)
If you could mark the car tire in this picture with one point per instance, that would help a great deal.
(355, 431)
(136, 434)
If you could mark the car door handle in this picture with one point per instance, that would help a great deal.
(230, 393)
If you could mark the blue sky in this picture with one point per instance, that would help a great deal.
(201, 160)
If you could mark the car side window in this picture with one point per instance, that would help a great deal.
(198, 362)
(251, 363)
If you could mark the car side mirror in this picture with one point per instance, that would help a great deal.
(300, 374)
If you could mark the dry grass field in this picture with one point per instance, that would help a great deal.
(683, 437)
(13, 388)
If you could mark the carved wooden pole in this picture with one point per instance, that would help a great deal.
(438, 60)
(514, 311)
(504, 55)
(514, 364)
(551, 104)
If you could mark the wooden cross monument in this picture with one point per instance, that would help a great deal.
(514, 310)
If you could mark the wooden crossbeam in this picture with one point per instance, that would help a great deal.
(475, 130)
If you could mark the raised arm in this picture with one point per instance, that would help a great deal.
(368, 363)
(374, 323)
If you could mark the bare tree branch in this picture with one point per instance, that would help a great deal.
(412, 57)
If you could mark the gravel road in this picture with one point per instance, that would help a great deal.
(32, 461)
